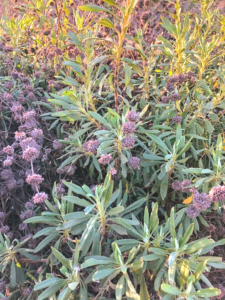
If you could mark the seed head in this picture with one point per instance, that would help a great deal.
(8, 150)
(30, 154)
(217, 193)
(34, 179)
(40, 197)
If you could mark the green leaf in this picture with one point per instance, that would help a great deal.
(93, 8)
(187, 235)
(48, 282)
(51, 290)
(170, 289)
(97, 260)
(13, 274)
(106, 22)
(46, 242)
(120, 288)
(115, 211)
(98, 275)
(76, 200)
(64, 261)
(210, 292)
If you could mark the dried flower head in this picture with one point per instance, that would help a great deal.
(40, 197)
(170, 87)
(2, 215)
(29, 115)
(31, 96)
(132, 116)
(8, 49)
(9, 85)
(8, 161)
(128, 128)
(4, 229)
(69, 170)
(60, 190)
(201, 201)
(30, 154)
(34, 179)
(134, 162)
(2, 285)
(105, 159)
(8, 150)
(29, 142)
(23, 226)
(128, 142)
(182, 78)
(192, 211)
(57, 145)
(26, 292)
(29, 204)
(36, 133)
(217, 193)
(175, 97)
(6, 174)
(165, 99)
(177, 119)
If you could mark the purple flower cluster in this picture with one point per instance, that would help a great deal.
(134, 162)
(128, 128)
(182, 186)
(132, 116)
(105, 159)
(91, 146)
(200, 202)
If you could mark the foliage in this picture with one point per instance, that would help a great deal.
(112, 150)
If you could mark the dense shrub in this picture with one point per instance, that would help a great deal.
(112, 150)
